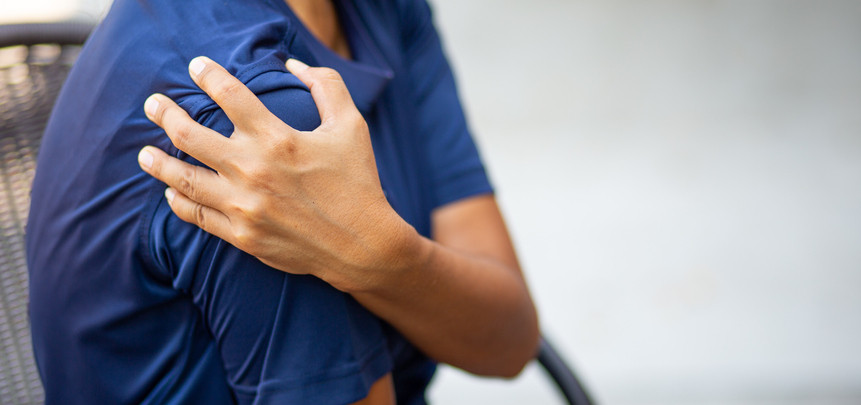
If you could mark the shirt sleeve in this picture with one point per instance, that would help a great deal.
(454, 163)
(282, 338)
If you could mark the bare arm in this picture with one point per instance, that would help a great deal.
(468, 304)
(382, 392)
(311, 203)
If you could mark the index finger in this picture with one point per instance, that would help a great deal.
(242, 107)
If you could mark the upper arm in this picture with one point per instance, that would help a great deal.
(453, 161)
(281, 337)
(465, 216)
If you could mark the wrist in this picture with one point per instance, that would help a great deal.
(409, 253)
(384, 259)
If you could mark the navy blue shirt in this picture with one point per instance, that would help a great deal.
(129, 304)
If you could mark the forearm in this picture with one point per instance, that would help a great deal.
(469, 311)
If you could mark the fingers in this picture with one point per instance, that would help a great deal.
(207, 218)
(327, 87)
(197, 183)
(243, 108)
(197, 140)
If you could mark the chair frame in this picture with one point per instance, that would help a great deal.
(562, 374)
(59, 33)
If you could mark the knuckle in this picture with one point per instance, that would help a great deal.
(225, 88)
(187, 181)
(180, 134)
(234, 166)
(255, 211)
(326, 74)
(199, 216)
(285, 147)
(245, 239)
(249, 212)
(254, 172)
(354, 124)
(358, 122)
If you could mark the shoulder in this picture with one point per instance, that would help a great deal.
(241, 32)
(413, 13)
(154, 40)
(407, 15)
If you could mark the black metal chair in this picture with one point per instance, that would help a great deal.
(34, 62)
(562, 374)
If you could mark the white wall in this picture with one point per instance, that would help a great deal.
(683, 181)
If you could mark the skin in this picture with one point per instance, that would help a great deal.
(321, 19)
(382, 392)
(312, 203)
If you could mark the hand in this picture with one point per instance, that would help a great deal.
(311, 203)
(302, 202)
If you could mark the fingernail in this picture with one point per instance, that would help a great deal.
(196, 65)
(151, 105)
(145, 158)
(295, 66)
(169, 193)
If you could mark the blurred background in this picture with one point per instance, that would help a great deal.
(683, 183)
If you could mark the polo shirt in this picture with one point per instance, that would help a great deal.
(129, 304)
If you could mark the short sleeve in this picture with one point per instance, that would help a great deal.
(454, 164)
(282, 338)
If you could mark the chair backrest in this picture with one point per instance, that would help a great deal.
(34, 62)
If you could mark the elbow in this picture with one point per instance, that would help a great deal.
(521, 350)
(518, 361)
(506, 367)
(512, 371)
(510, 361)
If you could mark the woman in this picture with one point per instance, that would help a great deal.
(385, 203)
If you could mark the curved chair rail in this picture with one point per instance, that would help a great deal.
(562, 375)
(60, 33)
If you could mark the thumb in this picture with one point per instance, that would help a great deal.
(327, 88)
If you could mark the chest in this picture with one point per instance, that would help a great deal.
(378, 83)
(322, 20)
